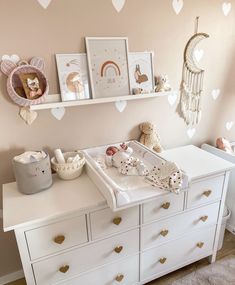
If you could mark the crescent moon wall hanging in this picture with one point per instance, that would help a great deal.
(192, 81)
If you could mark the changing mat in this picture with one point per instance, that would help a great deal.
(122, 191)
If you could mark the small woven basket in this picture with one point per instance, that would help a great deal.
(69, 171)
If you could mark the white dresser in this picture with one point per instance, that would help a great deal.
(67, 234)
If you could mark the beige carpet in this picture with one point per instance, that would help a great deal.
(220, 273)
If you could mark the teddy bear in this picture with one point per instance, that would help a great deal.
(224, 144)
(149, 136)
(162, 84)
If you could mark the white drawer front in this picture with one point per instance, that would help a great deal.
(85, 258)
(125, 272)
(163, 206)
(205, 191)
(163, 258)
(105, 222)
(162, 231)
(55, 237)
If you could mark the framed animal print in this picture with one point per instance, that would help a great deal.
(141, 71)
(108, 66)
(73, 76)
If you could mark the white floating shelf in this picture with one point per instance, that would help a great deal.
(52, 101)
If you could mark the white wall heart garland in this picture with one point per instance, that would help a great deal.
(226, 8)
(177, 6)
(120, 105)
(118, 5)
(191, 132)
(44, 3)
(172, 98)
(215, 93)
(58, 113)
(13, 58)
(229, 125)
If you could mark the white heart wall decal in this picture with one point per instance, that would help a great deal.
(27, 115)
(58, 113)
(172, 98)
(44, 3)
(14, 58)
(118, 4)
(177, 6)
(121, 105)
(215, 93)
(198, 54)
(229, 125)
(191, 132)
(226, 7)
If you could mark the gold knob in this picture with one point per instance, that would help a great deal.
(162, 260)
(166, 205)
(118, 249)
(119, 277)
(204, 218)
(200, 244)
(207, 193)
(117, 220)
(64, 269)
(164, 233)
(59, 239)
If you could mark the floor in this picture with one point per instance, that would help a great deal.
(228, 249)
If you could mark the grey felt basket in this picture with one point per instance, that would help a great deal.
(33, 177)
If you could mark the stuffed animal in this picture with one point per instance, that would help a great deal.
(224, 144)
(162, 84)
(150, 137)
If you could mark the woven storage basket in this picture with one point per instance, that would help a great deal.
(12, 71)
(69, 171)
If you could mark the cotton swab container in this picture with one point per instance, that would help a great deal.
(73, 166)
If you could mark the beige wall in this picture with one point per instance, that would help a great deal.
(27, 29)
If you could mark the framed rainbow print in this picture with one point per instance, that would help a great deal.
(73, 76)
(141, 71)
(108, 66)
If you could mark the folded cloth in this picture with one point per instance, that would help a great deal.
(133, 166)
(167, 176)
(30, 156)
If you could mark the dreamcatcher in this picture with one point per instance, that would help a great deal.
(192, 81)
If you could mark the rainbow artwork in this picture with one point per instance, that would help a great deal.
(110, 65)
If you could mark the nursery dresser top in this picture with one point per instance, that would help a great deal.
(196, 162)
(68, 197)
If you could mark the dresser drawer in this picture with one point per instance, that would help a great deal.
(55, 237)
(205, 191)
(106, 222)
(163, 206)
(86, 258)
(160, 259)
(168, 229)
(125, 272)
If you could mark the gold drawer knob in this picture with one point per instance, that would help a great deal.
(117, 221)
(118, 249)
(119, 277)
(200, 244)
(162, 260)
(166, 205)
(64, 269)
(59, 239)
(164, 233)
(204, 218)
(207, 193)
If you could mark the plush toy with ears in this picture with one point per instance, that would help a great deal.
(149, 136)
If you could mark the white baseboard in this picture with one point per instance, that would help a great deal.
(11, 277)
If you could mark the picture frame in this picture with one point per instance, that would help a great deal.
(108, 66)
(73, 76)
(141, 72)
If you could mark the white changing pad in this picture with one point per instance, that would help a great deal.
(121, 190)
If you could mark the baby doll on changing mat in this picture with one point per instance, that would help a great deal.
(122, 159)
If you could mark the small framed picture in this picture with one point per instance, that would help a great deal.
(141, 72)
(108, 66)
(73, 76)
